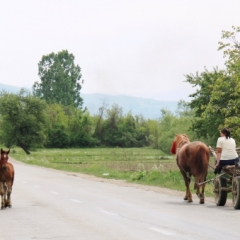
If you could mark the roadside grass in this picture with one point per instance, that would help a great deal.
(140, 165)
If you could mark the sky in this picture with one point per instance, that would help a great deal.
(140, 48)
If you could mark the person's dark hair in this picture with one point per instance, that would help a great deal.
(226, 132)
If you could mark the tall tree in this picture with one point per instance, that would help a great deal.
(60, 79)
(216, 100)
(231, 51)
(23, 120)
(58, 123)
(207, 108)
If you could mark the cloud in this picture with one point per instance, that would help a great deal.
(133, 47)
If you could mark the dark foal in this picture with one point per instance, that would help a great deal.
(6, 179)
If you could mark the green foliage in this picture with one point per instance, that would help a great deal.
(60, 79)
(184, 109)
(154, 133)
(81, 129)
(69, 127)
(216, 100)
(231, 88)
(207, 108)
(58, 137)
(169, 126)
(23, 120)
(123, 130)
(58, 121)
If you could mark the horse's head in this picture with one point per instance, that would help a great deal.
(4, 157)
(179, 140)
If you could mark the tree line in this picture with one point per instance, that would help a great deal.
(52, 115)
(30, 122)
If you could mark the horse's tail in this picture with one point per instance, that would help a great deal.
(202, 162)
(202, 159)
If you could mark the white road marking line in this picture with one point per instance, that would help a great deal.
(53, 192)
(36, 186)
(76, 201)
(24, 181)
(163, 231)
(109, 213)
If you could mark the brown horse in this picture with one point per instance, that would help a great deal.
(6, 179)
(193, 160)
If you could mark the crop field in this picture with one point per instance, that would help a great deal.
(141, 165)
(122, 159)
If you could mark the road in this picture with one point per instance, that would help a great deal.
(50, 204)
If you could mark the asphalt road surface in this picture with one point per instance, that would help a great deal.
(50, 204)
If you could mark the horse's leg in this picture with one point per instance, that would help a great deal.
(8, 202)
(202, 197)
(188, 195)
(3, 194)
(200, 189)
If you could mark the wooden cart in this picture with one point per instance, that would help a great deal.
(227, 182)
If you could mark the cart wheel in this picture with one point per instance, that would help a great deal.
(236, 192)
(220, 196)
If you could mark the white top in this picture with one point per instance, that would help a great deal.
(228, 146)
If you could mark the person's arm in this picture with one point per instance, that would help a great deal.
(219, 151)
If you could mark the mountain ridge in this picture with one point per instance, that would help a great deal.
(148, 108)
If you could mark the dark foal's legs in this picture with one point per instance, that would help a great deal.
(8, 202)
(3, 190)
(2, 195)
(188, 195)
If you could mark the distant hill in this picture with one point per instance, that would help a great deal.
(9, 88)
(148, 108)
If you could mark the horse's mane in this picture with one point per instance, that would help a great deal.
(179, 141)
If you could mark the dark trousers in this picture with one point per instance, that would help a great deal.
(223, 163)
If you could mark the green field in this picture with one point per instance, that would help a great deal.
(140, 165)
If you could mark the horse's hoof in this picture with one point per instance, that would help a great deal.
(185, 198)
(189, 201)
(201, 202)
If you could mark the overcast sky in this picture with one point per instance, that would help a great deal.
(139, 48)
